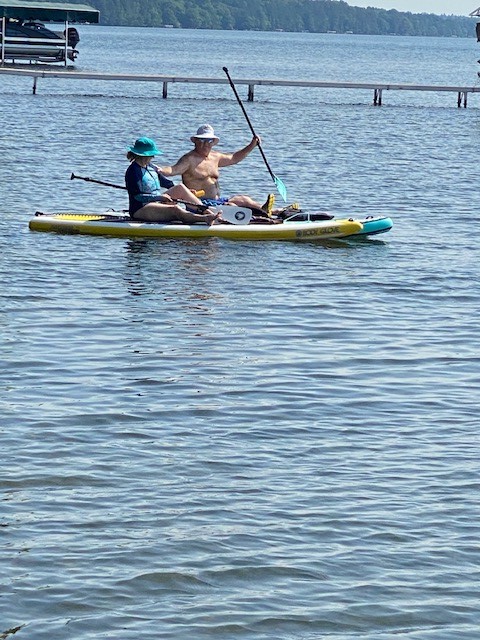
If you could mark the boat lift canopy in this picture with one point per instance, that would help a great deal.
(476, 14)
(34, 47)
(49, 11)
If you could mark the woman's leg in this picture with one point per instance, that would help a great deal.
(191, 218)
(181, 192)
(158, 212)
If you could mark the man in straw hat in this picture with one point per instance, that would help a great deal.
(200, 170)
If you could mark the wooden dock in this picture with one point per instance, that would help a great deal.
(377, 87)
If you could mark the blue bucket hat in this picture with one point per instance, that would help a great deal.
(145, 147)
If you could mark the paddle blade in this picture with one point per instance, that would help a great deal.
(234, 215)
(282, 189)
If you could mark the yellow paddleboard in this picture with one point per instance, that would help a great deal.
(120, 226)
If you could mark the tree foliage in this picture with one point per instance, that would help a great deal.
(317, 16)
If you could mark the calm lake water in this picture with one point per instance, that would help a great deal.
(235, 440)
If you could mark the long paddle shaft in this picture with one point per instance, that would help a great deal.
(105, 184)
(282, 189)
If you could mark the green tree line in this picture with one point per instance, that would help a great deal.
(317, 16)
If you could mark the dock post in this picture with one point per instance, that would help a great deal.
(164, 93)
(462, 95)
(250, 93)
(2, 40)
(377, 97)
(34, 90)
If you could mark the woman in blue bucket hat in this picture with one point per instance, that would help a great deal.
(147, 201)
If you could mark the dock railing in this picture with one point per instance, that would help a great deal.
(378, 88)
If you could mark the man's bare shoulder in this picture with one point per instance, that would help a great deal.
(185, 161)
(219, 155)
(186, 156)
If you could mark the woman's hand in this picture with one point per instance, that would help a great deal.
(165, 198)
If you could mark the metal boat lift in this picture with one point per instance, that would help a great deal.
(476, 14)
(34, 46)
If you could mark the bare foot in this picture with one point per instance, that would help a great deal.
(211, 218)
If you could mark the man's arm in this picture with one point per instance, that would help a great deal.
(227, 159)
(176, 169)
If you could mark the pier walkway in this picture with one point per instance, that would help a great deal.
(377, 87)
